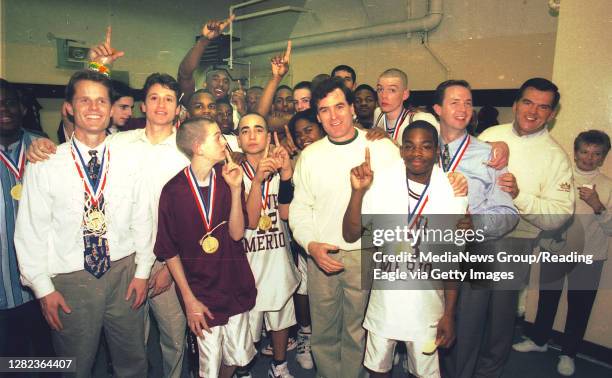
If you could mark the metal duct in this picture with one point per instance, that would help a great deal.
(426, 23)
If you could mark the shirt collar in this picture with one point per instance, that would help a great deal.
(170, 140)
(536, 134)
(13, 146)
(454, 145)
(84, 149)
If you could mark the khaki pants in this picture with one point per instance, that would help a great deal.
(337, 308)
(172, 327)
(98, 303)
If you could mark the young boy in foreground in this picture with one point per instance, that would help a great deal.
(201, 223)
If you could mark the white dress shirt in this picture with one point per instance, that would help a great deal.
(157, 162)
(49, 232)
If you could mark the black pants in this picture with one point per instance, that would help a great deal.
(486, 314)
(24, 332)
(583, 281)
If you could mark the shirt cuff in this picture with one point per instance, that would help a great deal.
(521, 201)
(143, 271)
(305, 246)
(42, 287)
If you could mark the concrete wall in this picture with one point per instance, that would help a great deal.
(582, 72)
(492, 44)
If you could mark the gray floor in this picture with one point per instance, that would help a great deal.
(520, 365)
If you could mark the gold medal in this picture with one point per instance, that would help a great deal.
(95, 222)
(209, 244)
(265, 223)
(16, 192)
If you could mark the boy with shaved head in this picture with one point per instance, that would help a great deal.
(201, 224)
(267, 179)
(391, 115)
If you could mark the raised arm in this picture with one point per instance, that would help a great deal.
(232, 173)
(280, 67)
(361, 179)
(211, 30)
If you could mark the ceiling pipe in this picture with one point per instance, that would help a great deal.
(426, 23)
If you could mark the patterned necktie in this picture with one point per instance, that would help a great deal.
(445, 158)
(97, 259)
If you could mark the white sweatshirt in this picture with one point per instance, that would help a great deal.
(323, 187)
(544, 176)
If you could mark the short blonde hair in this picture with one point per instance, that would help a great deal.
(396, 72)
(191, 131)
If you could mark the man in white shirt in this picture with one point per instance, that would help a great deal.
(322, 191)
(84, 240)
(154, 150)
(540, 183)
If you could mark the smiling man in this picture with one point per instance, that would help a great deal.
(540, 183)
(83, 237)
(322, 192)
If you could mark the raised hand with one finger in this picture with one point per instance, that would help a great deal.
(104, 53)
(213, 28)
(362, 175)
(280, 63)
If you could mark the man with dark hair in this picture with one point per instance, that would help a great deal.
(23, 329)
(418, 186)
(283, 100)
(253, 94)
(225, 122)
(223, 116)
(347, 74)
(217, 81)
(491, 209)
(321, 193)
(123, 104)
(365, 105)
(87, 253)
(301, 96)
(202, 104)
(542, 191)
(155, 146)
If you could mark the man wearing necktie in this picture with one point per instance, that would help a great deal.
(491, 211)
(84, 240)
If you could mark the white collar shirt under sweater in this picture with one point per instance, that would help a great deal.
(393, 312)
(323, 187)
(544, 177)
(49, 233)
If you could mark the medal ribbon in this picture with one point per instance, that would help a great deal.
(394, 133)
(265, 186)
(15, 167)
(415, 214)
(454, 163)
(93, 189)
(205, 205)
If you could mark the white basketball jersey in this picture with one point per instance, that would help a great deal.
(269, 255)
